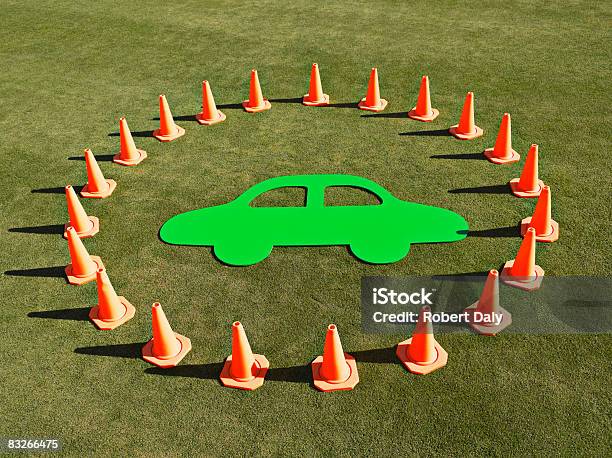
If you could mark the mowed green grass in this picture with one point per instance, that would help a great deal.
(71, 69)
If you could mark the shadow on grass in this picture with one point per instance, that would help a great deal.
(47, 229)
(507, 231)
(181, 118)
(342, 105)
(99, 158)
(427, 133)
(465, 156)
(231, 106)
(132, 350)
(57, 190)
(399, 115)
(49, 272)
(78, 314)
(376, 355)
(138, 133)
(490, 189)
(473, 276)
(297, 100)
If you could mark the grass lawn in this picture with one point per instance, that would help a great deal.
(70, 69)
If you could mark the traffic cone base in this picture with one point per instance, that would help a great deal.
(167, 362)
(142, 155)
(403, 354)
(94, 228)
(105, 325)
(515, 157)
(266, 106)
(518, 192)
(86, 278)
(260, 369)
(201, 118)
(168, 138)
(524, 283)
(488, 329)
(322, 384)
(376, 108)
(412, 114)
(552, 237)
(478, 132)
(85, 192)
(315, 103)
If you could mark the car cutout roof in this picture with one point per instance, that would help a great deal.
(313, 182)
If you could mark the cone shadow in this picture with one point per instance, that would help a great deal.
(99, 158)
(58, 190)
(376, 355)
(342, 105)
(294, 374)
(138, 133)
(297, 100)
(209, 371)
(231, 106)
(78, 314)
(180, 118)
(506, 231)
(47, 229)
(427, 133)
(463, 156)
(49, 272)
(132, 350)
(398, 115)
(491, 189)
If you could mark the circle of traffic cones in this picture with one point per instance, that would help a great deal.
(334, 370)
(82, 268)
(467, 128)
(502, 152)
(209, 115)
(483, 312)
(97, 186)
(372, 100)
(546, 228)
(85, 226)
(128, 153)
(522, 272)
(166, 348)
(168, 130)
(315, 96)
(256, 102)
(243, 369)
(423, 110)
(528, 185)
(422, 354)
(112, 310)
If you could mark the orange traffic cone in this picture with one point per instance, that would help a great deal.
(546, 228)
(243, 369)
(335, 370)
(528, 185)
(112, 310)
(85, 226)
(502, 152)
(82, 267)
(372, 100)
(315, 96)
(128, 153)
(523, 272)
(166, 348)
(422, 354)
(423, 110)
(209, 115)
(97, 186)
(256, 102)
(168, 130)
(467, 128)
(486, 316)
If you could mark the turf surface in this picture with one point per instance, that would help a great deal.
(71, 69)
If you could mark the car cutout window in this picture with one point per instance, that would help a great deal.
(351, 195)
(280, 197)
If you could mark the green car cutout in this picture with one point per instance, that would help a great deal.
(242, 234)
